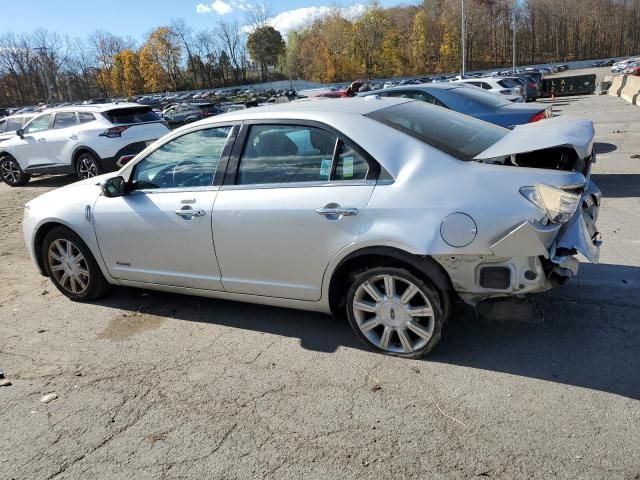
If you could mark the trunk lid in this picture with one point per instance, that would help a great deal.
(552, 133)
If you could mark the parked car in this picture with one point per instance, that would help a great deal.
(470, 100)
(85, 140)
(619, 66)
(632, 69)
(181, 114)
(530, 86)
(503, 86)
(9, 125)
(384, 209)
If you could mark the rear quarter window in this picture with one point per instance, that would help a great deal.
(131, 115)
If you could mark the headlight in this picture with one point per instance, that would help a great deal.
(558, 204)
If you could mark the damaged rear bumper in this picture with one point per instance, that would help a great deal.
(531, 257)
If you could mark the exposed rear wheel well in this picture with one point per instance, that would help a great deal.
(37, 243)
(422, 266)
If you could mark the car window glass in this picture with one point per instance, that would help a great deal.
(351, 165)
(453, 133)
(14, 124)
(39, 124)
(285, 154)
(3, 126)
(85, 117)
(64, 120)
(187, 161)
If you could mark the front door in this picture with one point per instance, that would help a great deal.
(160, 232)
(298, 196)
(31, 150)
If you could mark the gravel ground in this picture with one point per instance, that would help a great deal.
(153, 385)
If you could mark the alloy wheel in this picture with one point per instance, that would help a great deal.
(393, 314)
(87, 167)
(69, 266)
(10, 172)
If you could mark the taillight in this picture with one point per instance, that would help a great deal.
(538, 116)
(531, 85)
(122, 161)
(114, 132)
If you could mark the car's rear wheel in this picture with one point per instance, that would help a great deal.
(71, 266)
(11, 173)
(88, 166)
(395, 312)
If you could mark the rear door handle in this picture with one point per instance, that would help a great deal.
(188, 212)
(334, 213)
(41, 140)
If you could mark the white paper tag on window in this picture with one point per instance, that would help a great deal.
(325, 169)
(347, 167)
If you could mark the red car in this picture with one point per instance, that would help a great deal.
(633, 69)
(337, 94)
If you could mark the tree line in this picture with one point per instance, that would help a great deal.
(421, 39)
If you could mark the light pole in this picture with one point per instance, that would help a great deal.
(514, 42)
(463, 69)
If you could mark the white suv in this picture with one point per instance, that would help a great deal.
(503, 86)
(84, 139)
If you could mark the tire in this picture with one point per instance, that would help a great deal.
(71, 266)
(11, 173)
(408, 323)
(87, 166)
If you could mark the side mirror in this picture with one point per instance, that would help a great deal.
(114, 187)
(20, 132)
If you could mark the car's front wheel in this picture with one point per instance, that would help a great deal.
(88, 166)
(395, 312)
(11, 172)
(71, 266)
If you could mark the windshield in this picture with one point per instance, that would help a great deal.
(458, 135)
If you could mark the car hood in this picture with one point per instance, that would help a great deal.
(552, 132)
(88, 189)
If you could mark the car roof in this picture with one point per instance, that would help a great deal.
(97, 107)
(355, 105)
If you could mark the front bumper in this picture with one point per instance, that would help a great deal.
(531, 257)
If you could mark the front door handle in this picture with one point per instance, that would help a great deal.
(73, 137)
(335, 212)
(188, 212)
(41, 140)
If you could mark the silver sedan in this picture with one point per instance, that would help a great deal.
(385, 209)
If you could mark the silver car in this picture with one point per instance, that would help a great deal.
(386, 209)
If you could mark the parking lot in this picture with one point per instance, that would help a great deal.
(154, 385)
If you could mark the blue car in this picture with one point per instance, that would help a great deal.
(472, 101)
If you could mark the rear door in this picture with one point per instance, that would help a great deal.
(295, 194)
(62, 138)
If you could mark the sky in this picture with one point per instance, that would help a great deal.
(135, 18)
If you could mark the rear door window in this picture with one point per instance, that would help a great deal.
(286, 154)
(130, 115)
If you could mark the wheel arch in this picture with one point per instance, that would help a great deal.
(79, 150)
(421, 265)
